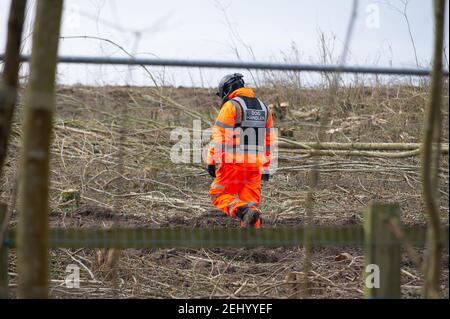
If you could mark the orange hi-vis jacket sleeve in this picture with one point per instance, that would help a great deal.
(222, 133)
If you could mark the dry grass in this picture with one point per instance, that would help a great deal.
(154, 192)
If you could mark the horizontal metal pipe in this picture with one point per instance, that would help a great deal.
(216, 237)
(240, 65)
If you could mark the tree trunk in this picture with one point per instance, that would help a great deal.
(430, 162)
(32, 229)
(9, 81)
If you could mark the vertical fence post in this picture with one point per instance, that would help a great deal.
(381, 252)
(3, 259)
(39, 104)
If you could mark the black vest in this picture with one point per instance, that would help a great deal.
(253, 122)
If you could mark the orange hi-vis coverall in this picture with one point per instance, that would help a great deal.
(242, 158)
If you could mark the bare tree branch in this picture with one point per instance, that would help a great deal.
(430, 161)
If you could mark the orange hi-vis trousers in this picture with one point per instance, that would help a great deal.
(236, 185)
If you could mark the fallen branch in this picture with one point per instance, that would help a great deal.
(286, 143)
(357, 153)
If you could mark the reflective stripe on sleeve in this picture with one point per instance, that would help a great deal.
(238, 111)
(214, 185)
(223, 125)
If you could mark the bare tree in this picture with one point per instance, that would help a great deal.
(314, 172)
(430, 161)
(403, 10)
(8, 89)
(34, 185)
(10, 76)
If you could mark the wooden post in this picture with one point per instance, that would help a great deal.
(432, 136)
(3, 260)
(381, 252)
(10, 77)
(32, 228)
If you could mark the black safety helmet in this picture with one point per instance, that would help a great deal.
(228, 84)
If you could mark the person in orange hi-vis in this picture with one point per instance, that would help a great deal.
(240, 151)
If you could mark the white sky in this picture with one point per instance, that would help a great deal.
(217, 29)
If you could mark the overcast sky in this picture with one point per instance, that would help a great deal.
(265, 30)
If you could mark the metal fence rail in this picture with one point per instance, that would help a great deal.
(213, 238)
(240, 65)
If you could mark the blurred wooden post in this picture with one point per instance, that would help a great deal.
(3, 260)
(32, 228)
(381, 252)
(9, 82)
(432, 136)
(10, 77)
